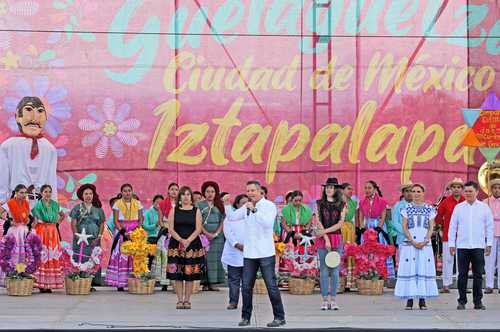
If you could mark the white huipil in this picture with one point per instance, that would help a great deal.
(17, 167)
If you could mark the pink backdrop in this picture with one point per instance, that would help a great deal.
(107, 72)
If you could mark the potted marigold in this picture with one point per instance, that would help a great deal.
(370, 268)
(142, 281)
(19, 280)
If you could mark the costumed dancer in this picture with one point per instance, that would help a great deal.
(127, 216)
(372, 213)
(47, 214)
(349, 231)
(88, 215)
(151, 224)
(493, 260)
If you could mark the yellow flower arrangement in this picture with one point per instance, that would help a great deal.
(139, 249)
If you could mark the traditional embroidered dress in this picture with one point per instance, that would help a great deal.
(297, 220)
(19, 211)
(372, 210)
(185, 263)
(417, 272)
(50, 273)
(90, 219)
(120, 266)
(212, 218)
(349, 236)
(159, 267)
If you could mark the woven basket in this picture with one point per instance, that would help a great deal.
(341, 285)
(370, 287)
(137, 286)
(19, 287)
(298, 286)
(80, 286)
(260, 287)
(196, 286)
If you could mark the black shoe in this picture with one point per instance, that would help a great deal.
(48, 291)
(461, 306)
(43, 290)
(421, 304)
(164, 288)
(244, 322)
(277, 323)
(479, 306)
(120, 289)
(409, 304)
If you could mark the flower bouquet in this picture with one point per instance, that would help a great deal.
(302, 263)
(370, 263)
(142, 282)
(79, 275)
(19, 280)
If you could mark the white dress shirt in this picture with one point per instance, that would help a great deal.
(234, 232)
(18, 167)
(470, 225)
(258, 228)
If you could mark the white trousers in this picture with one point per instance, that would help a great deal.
(448, 260)
(492, 263)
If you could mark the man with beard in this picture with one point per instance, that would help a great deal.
(28, 159)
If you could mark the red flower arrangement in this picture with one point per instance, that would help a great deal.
(370, 257)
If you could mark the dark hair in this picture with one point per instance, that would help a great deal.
(183, 190)
(223, 193)
(96, 202)
(472, 184)
(338, 197)
(20, 187)
(254, 182)
(288, 195)
(158, 197)
(296, 193)
(197, 193)
(375, 185)
(238, 199)
(346, 184)
(418, 185)
(264, 189)
(217, 199)
(45, 186)
(173, 184)
(126, 185)
(113, 200)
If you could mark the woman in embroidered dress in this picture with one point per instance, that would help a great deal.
(349, 231)
(331, 211)
(151, 224)
(47, 217)
(212, 214)
(89, 216)
(372, 212)
(185, 251)
(297, 217)
(18, 209)
(127, 216)
(416, 271)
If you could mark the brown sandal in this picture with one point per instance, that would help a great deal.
(179, 305)
(187, 305)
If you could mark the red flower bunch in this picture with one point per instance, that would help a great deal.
(370, 257)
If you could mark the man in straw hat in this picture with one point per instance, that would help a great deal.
(445, 210)
(396, 223)
(493, 260)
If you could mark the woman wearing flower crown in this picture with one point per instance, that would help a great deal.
(127, 216)
(47, 217)
(88, 215)
(19, 210)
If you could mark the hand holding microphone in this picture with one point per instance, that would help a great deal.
(250, 207)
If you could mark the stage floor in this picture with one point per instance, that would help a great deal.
(107, 308)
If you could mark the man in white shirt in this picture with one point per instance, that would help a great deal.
(28, 159)
(471, 223)
(232, 255)
(259, 215)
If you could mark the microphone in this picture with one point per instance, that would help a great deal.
(248, 212)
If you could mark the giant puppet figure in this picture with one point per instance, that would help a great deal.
(29, 158)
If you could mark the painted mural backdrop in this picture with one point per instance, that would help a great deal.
(285, 91)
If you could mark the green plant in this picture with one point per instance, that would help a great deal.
(79, 275)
